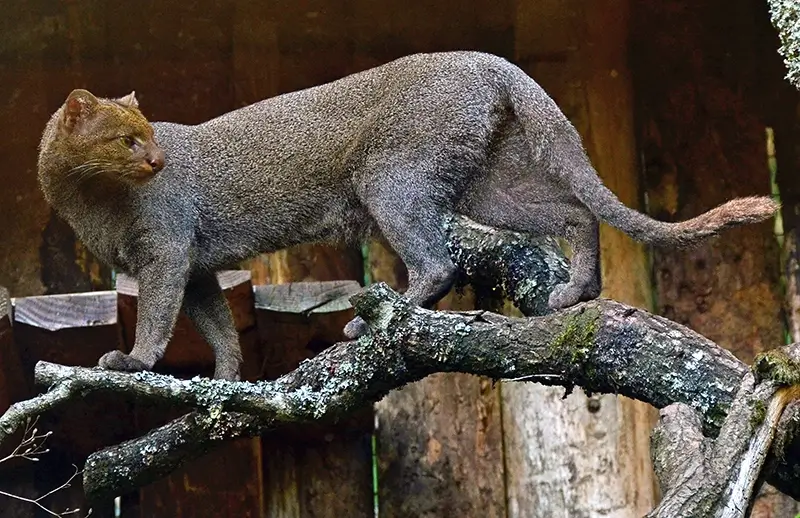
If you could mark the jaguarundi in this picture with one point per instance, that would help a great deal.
(393, 149)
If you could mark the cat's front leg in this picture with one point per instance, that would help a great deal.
(161, 286)
(205, 305)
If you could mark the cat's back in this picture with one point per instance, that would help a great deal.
(329, 115)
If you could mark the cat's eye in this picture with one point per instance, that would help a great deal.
(127, 140)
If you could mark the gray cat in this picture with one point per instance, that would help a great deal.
(392, 149)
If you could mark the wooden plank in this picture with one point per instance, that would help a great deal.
(72, 330)
(179, 65)
(322, 470)
(224, 482)
(72, 48)
(16, 476)
(296, 46)
(30, 251)
(13, 386)
(276, 50)
(296, 321)
(701, 101)
(187, 352)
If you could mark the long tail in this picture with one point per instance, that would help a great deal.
(602, 202)
(572, 164)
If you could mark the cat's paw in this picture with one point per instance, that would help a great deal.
(355, 328)
(228, 372)
(564, 296)
(119, 361)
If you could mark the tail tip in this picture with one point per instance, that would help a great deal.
(761, 207)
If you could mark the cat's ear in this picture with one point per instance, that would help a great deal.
(80, 104)
(129, 100)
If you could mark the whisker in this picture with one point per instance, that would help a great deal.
(90, 169)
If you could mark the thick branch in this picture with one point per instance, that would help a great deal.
(501, 264)
(133, 464)
(602, 345)
(720, 477)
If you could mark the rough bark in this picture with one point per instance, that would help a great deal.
(721, 477)
(578, 51)
(603, 346)
(442, 436)
(703, 101)
(786, 18)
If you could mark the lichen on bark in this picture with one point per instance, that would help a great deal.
(786, 18)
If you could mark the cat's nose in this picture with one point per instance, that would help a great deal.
(156, 162)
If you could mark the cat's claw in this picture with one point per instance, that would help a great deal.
(119, 361)
(355, 328)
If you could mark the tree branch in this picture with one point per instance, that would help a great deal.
(602, 346)
(705, 477)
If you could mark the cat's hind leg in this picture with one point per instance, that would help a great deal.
(411, 220)
(584, 278)
(566, 218)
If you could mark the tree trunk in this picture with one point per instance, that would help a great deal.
(701, 129)
(439, 440)
(577, 51)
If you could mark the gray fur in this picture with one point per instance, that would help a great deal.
(392, 149)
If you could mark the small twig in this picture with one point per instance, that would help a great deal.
(38, 501)
(29, 448)
(31, 444)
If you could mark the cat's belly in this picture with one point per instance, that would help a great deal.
(223, 242)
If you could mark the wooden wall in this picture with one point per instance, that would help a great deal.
(705, 95)
(672, 108)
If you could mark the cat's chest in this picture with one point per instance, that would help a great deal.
(102, 240)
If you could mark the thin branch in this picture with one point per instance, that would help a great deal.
(31, 445)
(20, 414)
(38, 501)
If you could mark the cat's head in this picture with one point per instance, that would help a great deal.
(108, 137)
